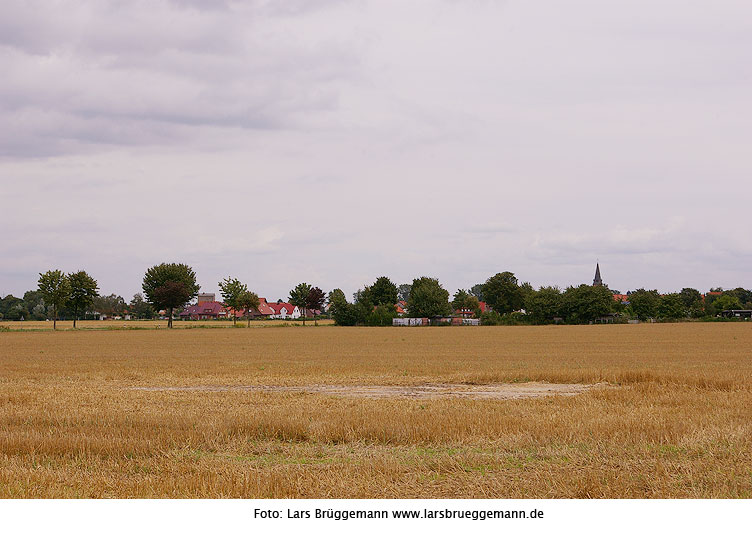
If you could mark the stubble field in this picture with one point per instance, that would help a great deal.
(266, 412)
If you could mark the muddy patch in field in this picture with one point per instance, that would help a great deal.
(428, 391)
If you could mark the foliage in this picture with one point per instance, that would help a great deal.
(83, 290)
(645, 303)
(477, 291)
(491, 317)
(383, 292)
(139, 308)
(672, 306)
(728, 301)
(544, 305)
(169, 286)
(502, 293)
(109, 305)
(232, 291)
(315, 301)
(336, 297)
(299, 297)
(428, 298)
(690, 297)
(246, 301)
(381, 315)
(585, 303)
(55, 289)
(465, 301)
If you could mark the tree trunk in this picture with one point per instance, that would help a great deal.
(54, 318)
(248, 315)
(234, 318)
(169, 320)
(75, 316)
(304, 315)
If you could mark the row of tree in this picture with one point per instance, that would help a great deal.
(170, 287)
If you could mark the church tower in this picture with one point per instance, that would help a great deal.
(597, 281)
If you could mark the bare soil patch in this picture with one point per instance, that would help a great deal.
(427, 391)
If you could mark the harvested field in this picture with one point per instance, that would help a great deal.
(429, 391)
(232, 412)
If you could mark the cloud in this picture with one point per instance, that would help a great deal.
(337, 141)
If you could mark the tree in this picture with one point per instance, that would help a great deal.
(383, 292)
(502, 293)
(247, 301)
(381, 316)
(34, 303)
(645, 303)
(169, 286)
(299, 297)
(727, 301)
(690, 297)
(672, 306)
(336, 297)
(477, 291)
(428, 298)
(139, 308)
(109, 305)
(232, 290)
(55, 289)
(544, 305)
(586, 303)
(744, 296)
(315, 301)
(83, 290)
(403, 292)
(464, 301)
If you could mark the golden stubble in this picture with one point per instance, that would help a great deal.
(675, 421)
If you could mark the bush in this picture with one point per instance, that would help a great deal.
(381, 316)
(491, 318)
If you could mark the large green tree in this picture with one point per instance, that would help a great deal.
(585, 303)
(477, 291)
(383, 292)
(728, 301)
(544, 305)
(645, 303)
(83, 291)
(140, 308)
(671, 306)
(299, 298)
(503, 293)
(55, 289)
(169, 286)
(428, 298)
(232, 290)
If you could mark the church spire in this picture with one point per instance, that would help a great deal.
(597, 280)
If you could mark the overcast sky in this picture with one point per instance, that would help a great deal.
(334, 141)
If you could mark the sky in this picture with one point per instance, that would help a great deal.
(335, 141)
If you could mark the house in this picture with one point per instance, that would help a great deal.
(621, 298)
(263, 311)
(284, 311)
(207, 310)
(401, 307)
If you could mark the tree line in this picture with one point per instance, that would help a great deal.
(171, 286)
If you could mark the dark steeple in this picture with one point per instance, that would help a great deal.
(597, 280)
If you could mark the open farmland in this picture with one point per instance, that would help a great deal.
(258, 412)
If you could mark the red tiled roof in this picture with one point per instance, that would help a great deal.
(277, 307)
(208, 308)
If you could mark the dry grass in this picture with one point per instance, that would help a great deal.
(677, 425)
(133, 325)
